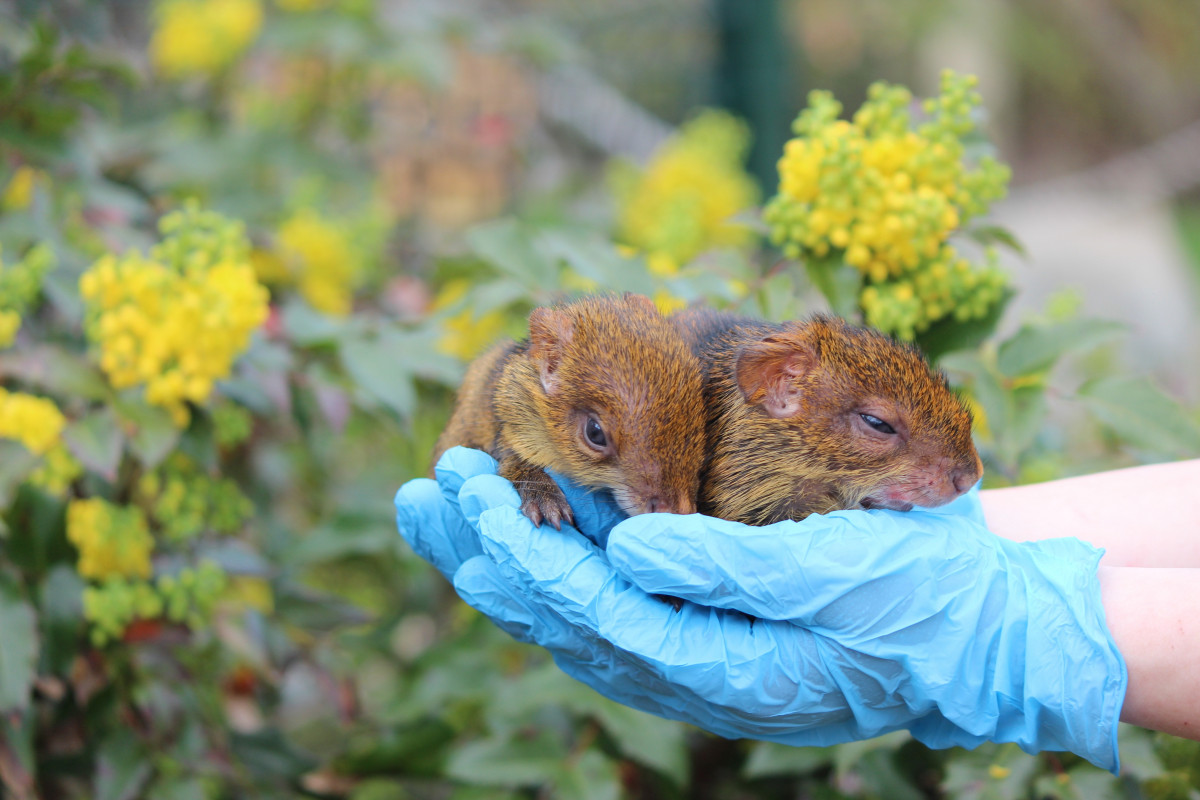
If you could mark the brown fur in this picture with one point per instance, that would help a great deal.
(785, 433)
(613, 358)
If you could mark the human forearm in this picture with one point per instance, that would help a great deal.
(1145, 516)
(1154, 618)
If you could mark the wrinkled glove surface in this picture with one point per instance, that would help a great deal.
(840, 627)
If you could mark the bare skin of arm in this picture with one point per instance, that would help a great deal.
(1148, 521)
(1154, 617)
(1142, 516)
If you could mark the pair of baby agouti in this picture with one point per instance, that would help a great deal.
(706, 411)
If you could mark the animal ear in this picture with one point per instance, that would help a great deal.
(768, 371)
(634, 299)
(550, 332)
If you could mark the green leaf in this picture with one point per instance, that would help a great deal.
(417, 352)
(990, 772)
(16, 462)
(308, 327)
(55, 370)
(777, 297)
(596, 259)
(994, 234)
(655, 742)
(97, 442)
(376, 369)
(199, 442)
(1085, 782)
(154, 434)
(18, 761)
(315, 611)
(846, 756)
(882, 777)
(948, 334)
(505, 762)
(19, 649)
(589, 776)
(1025, 410)
(770, 760)
(122, 766)
(61, 603)
(1142, 414)
(402, 749)
(652, 741)
(507, 245)
(268, 755)
(840, 283)
(1138, 756)
(380, 789)
(1037, 348)
(485, 793)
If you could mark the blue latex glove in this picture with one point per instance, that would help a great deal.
(866, 621)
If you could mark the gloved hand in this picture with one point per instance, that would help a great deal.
(860, 622)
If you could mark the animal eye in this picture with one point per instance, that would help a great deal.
(876, 423)
(594, 434)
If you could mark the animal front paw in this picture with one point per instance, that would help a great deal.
(546, 503)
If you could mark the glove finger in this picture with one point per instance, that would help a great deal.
(796, 570)
(458, 465)
(967, 505)
(483, 492)
(749, 669)
(595, 510)
(433, 527)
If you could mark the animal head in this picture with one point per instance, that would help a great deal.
(861, 413)
(621, 397)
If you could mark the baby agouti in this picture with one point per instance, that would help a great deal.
(605, 392)
(818, 415)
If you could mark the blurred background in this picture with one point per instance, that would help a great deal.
(247, 248)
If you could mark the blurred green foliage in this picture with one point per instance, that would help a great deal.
(273, 637)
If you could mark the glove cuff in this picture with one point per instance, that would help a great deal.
(1059, 680)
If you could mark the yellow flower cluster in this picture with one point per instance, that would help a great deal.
(302, 6)
(176, 320)
(113, 541)
(10, 323)
(188, 598)
(33, 421)
(465, 334)
(682, 204)
(184, 501)
(37, 423)
(117, 602)
(18, 194)
(20, 284)
(323, 259)
(884, 197)
(202, 37)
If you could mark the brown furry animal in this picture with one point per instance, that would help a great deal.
(815, 416)
(605, 392)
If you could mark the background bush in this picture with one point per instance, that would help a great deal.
(247, 250)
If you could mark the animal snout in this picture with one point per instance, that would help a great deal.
(658, 503)
(963, 477)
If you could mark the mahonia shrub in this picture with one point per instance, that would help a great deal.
(199, 38)
(174, 321)
(882, 193)
(20, 284)
(685, 200)
(202, 593)
(37, 423)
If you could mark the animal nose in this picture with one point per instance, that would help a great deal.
(963, 479)
(678, 506)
